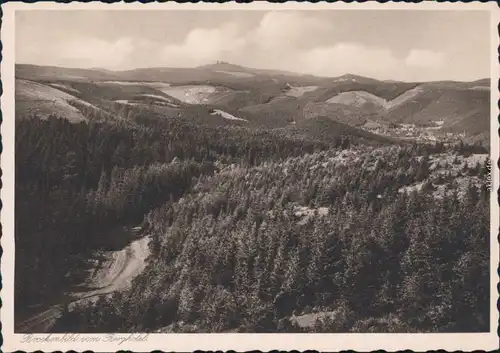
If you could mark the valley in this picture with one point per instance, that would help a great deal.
(440, 111)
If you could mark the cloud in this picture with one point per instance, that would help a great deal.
(278, 30)
(293, 41)
(425, 58)
(305, 41)
(202, 46)
(345, 58)
(94, 52)
(281, 40)
(275, 35)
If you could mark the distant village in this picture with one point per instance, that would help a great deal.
(411, 131)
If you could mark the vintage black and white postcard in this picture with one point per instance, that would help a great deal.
(259, 176)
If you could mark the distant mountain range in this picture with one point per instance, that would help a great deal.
(256, 97)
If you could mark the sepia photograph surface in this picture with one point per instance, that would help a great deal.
(249, 169)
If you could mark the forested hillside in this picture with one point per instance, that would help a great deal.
(75, 182)
(253, 249)
(254, 230)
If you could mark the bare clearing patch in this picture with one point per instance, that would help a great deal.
(363, 98)
(156, 97)
(306, 213)
(358, 99)
(73, 77)
(33, 98)
(135, 83)
(345, 79)
(300, 90)
(404, 97)
(236, 73)
(65, 87)
(37, 91)
(226, 115)
(480, 88)
(126, 102)
(158, 85)
(309, 320)
(121, 83)
(190, 94)
(411, 188)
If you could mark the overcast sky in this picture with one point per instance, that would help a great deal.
(399, 45)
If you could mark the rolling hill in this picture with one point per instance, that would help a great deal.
(325, 129)
(268, 98)
(41, 100)
(460, 109)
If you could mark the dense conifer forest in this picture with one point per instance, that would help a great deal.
(254, 230)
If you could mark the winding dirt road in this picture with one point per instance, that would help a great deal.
(115, 274)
